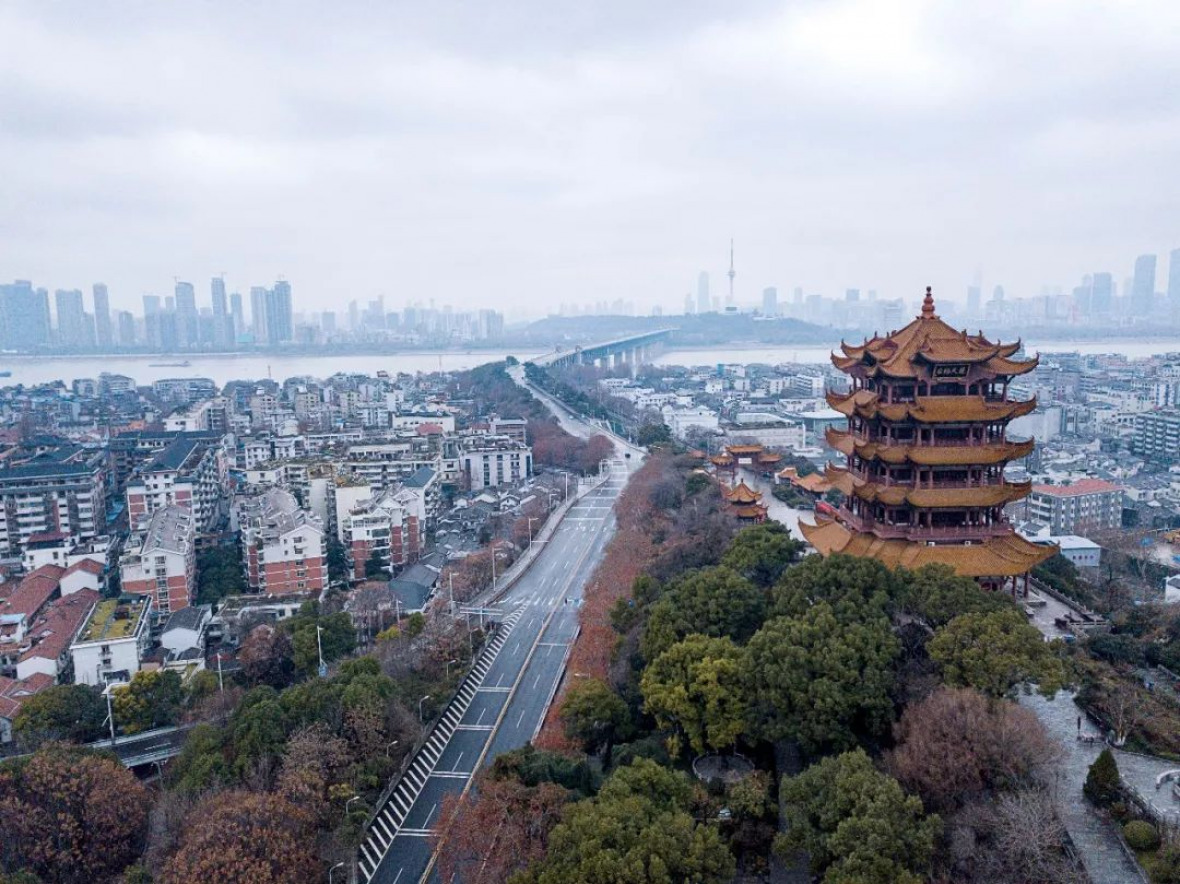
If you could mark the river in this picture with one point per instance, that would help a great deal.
(30, 370)
(812, 354)
(222, 368)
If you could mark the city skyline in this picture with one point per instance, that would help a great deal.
(599, 154)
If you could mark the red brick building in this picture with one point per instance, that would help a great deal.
(282, 544)
(159, 559)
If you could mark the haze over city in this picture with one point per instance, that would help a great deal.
(512, 158)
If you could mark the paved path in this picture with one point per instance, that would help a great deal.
(1093, 835)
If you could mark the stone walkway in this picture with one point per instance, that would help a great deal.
(1094, 836)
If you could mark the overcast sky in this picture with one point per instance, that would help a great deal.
(523, 153)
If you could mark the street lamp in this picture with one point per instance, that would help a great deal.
(531, 520)
(332, 871)
(422, 720)
(349, 801)
(323, 670)
(389, 746)
(449, 663)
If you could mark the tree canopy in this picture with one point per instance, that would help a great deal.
(850, 585)
(72, 712)
(994, 652)
(637, 830)
(70, 815)
(696, 687)
(151, 699)
(856, 823)
(593, 714)
(716, 602)
(819, 679)
(761, 553)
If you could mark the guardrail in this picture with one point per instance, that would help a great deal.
(394, 806)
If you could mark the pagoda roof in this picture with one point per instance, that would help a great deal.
(929, 455)
(929, 340)
(769, 457)
(721, 460)
(752, 511)
(741, 493)
(927, 498)
(929, 409)
(1004, 556)
(737, 450)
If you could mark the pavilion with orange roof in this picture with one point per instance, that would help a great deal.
(925, 452)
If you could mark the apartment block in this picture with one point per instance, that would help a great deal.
(113, 640)
(159, 559)
(189, 472)
(282, 544)
(52, 495)
(1083, 507)
(491, 461)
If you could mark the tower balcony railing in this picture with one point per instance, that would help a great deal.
(887, 531)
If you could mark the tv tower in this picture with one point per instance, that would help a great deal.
(732, 274)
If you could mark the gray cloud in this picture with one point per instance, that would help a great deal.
(523, 154)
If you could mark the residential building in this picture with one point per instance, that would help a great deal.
(283, 544)
(491, 461)
(1156, 435)
(1082, 507)
(51, 634)
(159, 559)
(189, 472)
(62, 491)
(113, 640)
(24, 316)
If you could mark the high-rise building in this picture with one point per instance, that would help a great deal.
(1143, 285)
(1174, 283)
(222, 323)
(690, 304)
(186, 314)
(237, 314)
(974, 301)
(704, 304)
(770, 301)
(24, 316)
(72, 325)
(1101, 294)
(102, 316)
(852, 295)
(279, 325)
(151, 305)
(126, 329)
(258, 296)
(926, 449)
(730, 303)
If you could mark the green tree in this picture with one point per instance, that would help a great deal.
(259, 732)
(1103, 786)
(994, 652)
(219, 573)
(375, 565)
(201, 765)
(72, 712)
(337, 637)
(654, 434)
(850, 585)
(696, 483)
(856, 824)
(150, 700)
(337, 560)
(761, 553)
(594, 715)
(715, 601)
(696, 688)
(637, 830)
(937, 595)
(818, 680)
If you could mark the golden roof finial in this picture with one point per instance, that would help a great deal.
(928, 304)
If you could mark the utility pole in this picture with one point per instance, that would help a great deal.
(323, 670)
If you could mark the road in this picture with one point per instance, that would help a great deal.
(510, 705)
